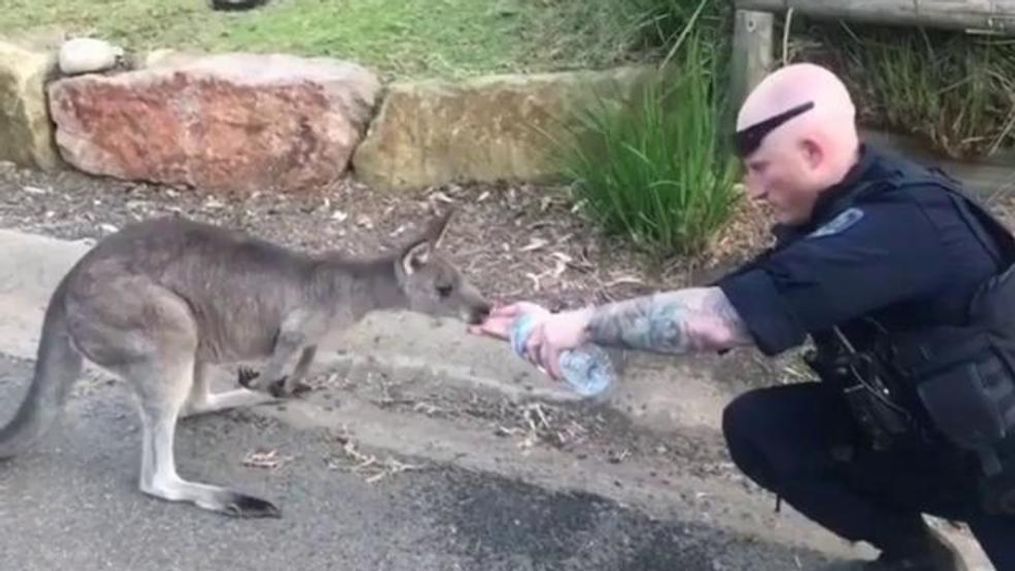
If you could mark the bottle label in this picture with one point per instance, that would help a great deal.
(588, 370)
(520, 333)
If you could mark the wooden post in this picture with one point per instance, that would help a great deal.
(752, 53)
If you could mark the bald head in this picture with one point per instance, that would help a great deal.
(798, 132)
(794, 85)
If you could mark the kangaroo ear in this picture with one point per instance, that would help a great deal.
(416, 256)
(418, 252)
(438, 228)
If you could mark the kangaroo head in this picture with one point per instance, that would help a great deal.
(432, 284)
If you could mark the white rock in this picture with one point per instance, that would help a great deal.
(88, 55)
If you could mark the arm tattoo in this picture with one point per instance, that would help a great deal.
(676, 322)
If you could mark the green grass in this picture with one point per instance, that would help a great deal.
(964, 107)
(404, 38)
(657, 170)
(954, 91)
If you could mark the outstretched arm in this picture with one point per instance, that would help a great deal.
(674, 322)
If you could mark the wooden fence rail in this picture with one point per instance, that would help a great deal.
(986, 15)
(753, 36)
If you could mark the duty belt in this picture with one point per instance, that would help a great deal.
(861, 379)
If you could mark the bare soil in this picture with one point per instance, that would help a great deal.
(514, 241)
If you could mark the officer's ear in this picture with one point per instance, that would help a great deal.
(812, 151)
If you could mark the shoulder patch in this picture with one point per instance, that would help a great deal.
(844, 220)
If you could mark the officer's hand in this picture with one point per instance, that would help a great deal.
(500, 321)
(554, 334)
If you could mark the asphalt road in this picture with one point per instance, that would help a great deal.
(72, 503)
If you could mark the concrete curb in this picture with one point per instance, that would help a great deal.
(31, 266)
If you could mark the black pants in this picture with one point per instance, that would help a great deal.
(780, 438)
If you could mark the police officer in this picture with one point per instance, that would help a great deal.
(887, 268)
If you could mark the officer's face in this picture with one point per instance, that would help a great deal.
(783, 174)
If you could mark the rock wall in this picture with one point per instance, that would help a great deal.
(486, 129)
(229, 122)
(26, 133)
(244, 122)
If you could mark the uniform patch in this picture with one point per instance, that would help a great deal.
(844, 220)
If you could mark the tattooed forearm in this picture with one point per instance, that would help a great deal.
(695, 319)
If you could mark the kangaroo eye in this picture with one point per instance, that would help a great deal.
(444, 290)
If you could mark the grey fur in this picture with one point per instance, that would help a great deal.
(160, 301)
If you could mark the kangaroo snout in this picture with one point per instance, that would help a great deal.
(479, 313)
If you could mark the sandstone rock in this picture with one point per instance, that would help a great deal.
(227, 122)
(88, 55)
(485, 129)
(26, 134)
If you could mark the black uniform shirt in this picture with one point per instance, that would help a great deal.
(903, 256)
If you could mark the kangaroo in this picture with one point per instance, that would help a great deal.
(162, 300)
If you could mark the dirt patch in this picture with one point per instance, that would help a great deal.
(582, 429)
(514, 241)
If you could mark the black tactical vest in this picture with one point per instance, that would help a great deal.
(952, 384)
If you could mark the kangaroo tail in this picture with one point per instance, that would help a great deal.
(57, 365)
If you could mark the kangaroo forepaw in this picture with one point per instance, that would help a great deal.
(245, 376)
(279, 388)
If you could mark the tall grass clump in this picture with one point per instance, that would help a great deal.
(656, 168)
(663, 23)
(951, 94)
(952, 90)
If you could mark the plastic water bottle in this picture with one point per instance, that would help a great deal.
(588, 369)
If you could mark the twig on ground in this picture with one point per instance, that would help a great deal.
(265, 459)
(370, 463)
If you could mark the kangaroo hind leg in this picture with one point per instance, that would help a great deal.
(147, 335)
(163, 388)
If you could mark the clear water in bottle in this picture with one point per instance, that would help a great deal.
(587, 369)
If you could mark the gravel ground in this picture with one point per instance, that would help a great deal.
(72, 503)
(513, 240)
